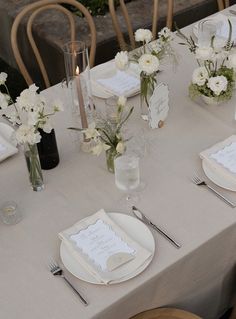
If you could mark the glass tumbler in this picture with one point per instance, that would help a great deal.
(10, 214)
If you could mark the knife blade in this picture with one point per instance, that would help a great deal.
(143, 218)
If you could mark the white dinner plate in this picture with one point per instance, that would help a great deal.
(107, 70)
(213, 174)
(137, 230)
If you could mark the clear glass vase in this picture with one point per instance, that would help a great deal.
(148, 83)
(111, 155)
(34, 167)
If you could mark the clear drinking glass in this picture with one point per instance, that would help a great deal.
(10, 214)
(127, 175)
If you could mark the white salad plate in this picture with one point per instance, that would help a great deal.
(217, 178)
(137, 230)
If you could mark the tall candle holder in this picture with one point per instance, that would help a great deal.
(78, 81)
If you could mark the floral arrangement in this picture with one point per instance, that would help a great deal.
(106, 133)
(215, 76)
(148, 58)
(28, 113)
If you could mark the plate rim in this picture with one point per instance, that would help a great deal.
(145, 265)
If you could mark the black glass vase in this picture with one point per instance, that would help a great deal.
(47, 149)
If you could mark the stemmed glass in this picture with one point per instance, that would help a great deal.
(127, 176)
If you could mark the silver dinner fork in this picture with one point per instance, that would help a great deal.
(200, 182)
(57, 271)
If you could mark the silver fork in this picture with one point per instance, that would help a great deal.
(57, 271)
(200, 182)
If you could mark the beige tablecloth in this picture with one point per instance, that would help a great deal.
(198, 277)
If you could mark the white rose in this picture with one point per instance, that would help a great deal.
(120, 147)
(148, 63)
(4, 99)
(200, 76)
(122, 100)
(204, 53)
(217, 84)
(32, 118)
(28, 99)
(3, 77)
(231, 63)
(143, 35)
(27, 134)
(122, 60)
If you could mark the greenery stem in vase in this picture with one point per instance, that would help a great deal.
(148, 57)
(106, 134)
(34, 167)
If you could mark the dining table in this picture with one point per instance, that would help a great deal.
(199, 277)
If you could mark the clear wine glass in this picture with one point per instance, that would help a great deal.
(127, 176)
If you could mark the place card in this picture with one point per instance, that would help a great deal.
(226, 157)
(159, 106)
(103, 246)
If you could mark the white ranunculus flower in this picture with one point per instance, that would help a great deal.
(4, 99)
(32, 118)
(200, 76)
(122, 60)
(166, 33)
(97, 150)
(3, 77)
(218, 84)
(120, 147)
(149, 63)
(204, 53)
(27, 134)
(143, 35)
(231, 63)
(122, 100)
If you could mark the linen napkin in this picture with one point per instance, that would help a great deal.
(103, 249)
(6, 149)
(222, 157)
(121, 83)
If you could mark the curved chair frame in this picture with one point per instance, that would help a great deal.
(119, 34)
(166, 313)
(38, 7)
(222, 4)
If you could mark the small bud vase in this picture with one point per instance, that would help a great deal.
(34, 167)
(148, 83)
(111, 154)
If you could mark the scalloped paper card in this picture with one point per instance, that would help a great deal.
(103, 246)
(226, 157)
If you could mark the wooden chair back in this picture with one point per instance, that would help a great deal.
(166, 313)
(35, 9)
(116, 25)
(222, 4)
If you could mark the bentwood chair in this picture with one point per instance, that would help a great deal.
(120, 37)
(166, 313)
(36, 8)
(222, 4)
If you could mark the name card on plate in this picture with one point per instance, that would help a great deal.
(159, 106)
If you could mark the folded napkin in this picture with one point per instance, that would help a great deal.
(6, 149)
(121, 83)
(222, 157)
(103, 248)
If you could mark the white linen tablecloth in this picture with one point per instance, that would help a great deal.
(198, 277)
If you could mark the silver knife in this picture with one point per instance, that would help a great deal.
(138, 214)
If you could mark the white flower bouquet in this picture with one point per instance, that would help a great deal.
(148, 58)
(214, 78)
(106, 133)
(28, 114)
